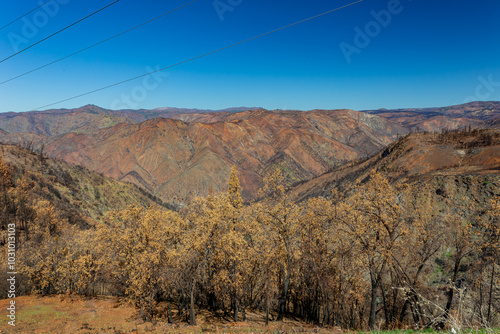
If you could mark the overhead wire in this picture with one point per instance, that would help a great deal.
(20, 17)
(98, 43)
(59, 31)
(202, 56)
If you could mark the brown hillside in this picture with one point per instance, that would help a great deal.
(56, 122)
(79, 195)
(193, 154)
(178, 160)
(435, 119)
(419, 156)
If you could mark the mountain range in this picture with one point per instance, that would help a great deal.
(177, 154)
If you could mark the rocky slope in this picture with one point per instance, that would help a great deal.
(191, 152)
(79, 195)
(178, 160)
(451, 157)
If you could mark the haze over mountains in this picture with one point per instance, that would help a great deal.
(179, 153)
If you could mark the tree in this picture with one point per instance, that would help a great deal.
(279, 219)
(237, 260)
(141, 244)
(234, 193)
(5, 184)
(216, 250)
(373, 218)
(41, 256)
(424, 240)
(462, 234)
(489, 248)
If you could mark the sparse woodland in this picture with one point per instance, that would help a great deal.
(377, 255)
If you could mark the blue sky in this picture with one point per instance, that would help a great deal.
(431, 53)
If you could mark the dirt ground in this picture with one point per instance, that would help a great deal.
(69, 314)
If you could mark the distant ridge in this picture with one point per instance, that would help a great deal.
(194, 110)
(434, 119)
(181, 153)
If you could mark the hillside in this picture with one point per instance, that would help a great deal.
(423, 157)
(474, 114)
(178, 160)
(55, 122)
(198, 115)
(176, 267)
(79, 195)
(180, 153)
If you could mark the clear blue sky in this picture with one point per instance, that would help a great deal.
(432, 53)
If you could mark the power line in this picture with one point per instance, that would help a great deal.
(20, 17)
(59, 31)
(203, 55)
(98, 43)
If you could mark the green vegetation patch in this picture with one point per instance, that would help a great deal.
(39, 313)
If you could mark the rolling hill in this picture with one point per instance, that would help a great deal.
(80, 196)
(55, 122)
(180, 153)
(469, 159)
(178, 160)
(475, 114)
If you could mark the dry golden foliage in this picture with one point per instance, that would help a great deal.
(374, 255)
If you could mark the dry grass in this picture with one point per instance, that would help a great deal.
(72, 314)
(68, 314)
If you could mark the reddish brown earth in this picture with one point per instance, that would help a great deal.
(178, 160)
(88, 118)
(55, 122)
(421, 157)
(80, 315)
(191, 152)
(436, 119)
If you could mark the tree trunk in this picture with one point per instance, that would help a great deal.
(284, 295)
(373, 304)
(403, 310)
(384, 301)
(490, 301)
(235, 312)
(267, 309)
(192, 316)
(416, 311)
(143, 314)
(170, 320)
(180, 304)
(451, 292)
